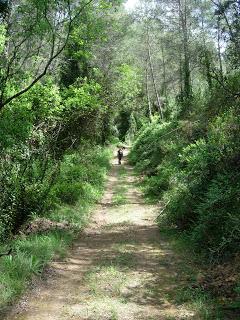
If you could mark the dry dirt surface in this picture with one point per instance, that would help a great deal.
(118, 269)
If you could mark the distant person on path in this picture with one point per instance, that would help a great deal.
(120, 155)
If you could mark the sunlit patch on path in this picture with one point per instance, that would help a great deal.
(119, 268)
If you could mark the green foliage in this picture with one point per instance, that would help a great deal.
(128, 84)
(150, 146)
(37, 131)
(83, 97)
(81, 175)
(218, 226)
(127, 90)
(197, 181)
(52, 160)
(85, 170)
(46, 133)
(2, 37)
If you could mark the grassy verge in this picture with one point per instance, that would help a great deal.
(79, 187)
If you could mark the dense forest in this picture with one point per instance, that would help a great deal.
(79, 76)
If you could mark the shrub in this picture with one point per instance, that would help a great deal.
(197, 179)
(81, 175)
(217, 230)
(149, 149)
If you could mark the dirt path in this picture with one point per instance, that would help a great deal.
(119, 269)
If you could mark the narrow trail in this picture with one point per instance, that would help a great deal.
(118, 269)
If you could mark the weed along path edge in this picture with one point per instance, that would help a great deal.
(119, 268)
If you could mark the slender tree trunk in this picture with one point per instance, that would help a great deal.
(180, 73)
(153, 77)
(207, 63)
(187, 88)
(148, 94)
(187, 75)
(219, 49)
(181, 77)
(164, 72)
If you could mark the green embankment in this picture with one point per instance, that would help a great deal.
(194, 172)
(79, 185)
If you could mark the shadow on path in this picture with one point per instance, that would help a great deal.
(118, 269)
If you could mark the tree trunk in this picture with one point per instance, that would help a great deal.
(159, 104)
(219, 49)
(187, 88)
(206, 55)
(164, 72)
(148, 94)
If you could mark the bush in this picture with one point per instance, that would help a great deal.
(33, 185)
(197, 179)
(24, 189)
(81, 175)
(217, 230)
(79, 184)
(150, 148)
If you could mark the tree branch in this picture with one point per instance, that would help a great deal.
(52, 57)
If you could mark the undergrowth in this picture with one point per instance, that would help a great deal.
(79, 185)
(191, 167)
(197, 180)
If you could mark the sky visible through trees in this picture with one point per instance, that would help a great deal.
(131, 4)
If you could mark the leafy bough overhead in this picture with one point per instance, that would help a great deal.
(34, 35)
